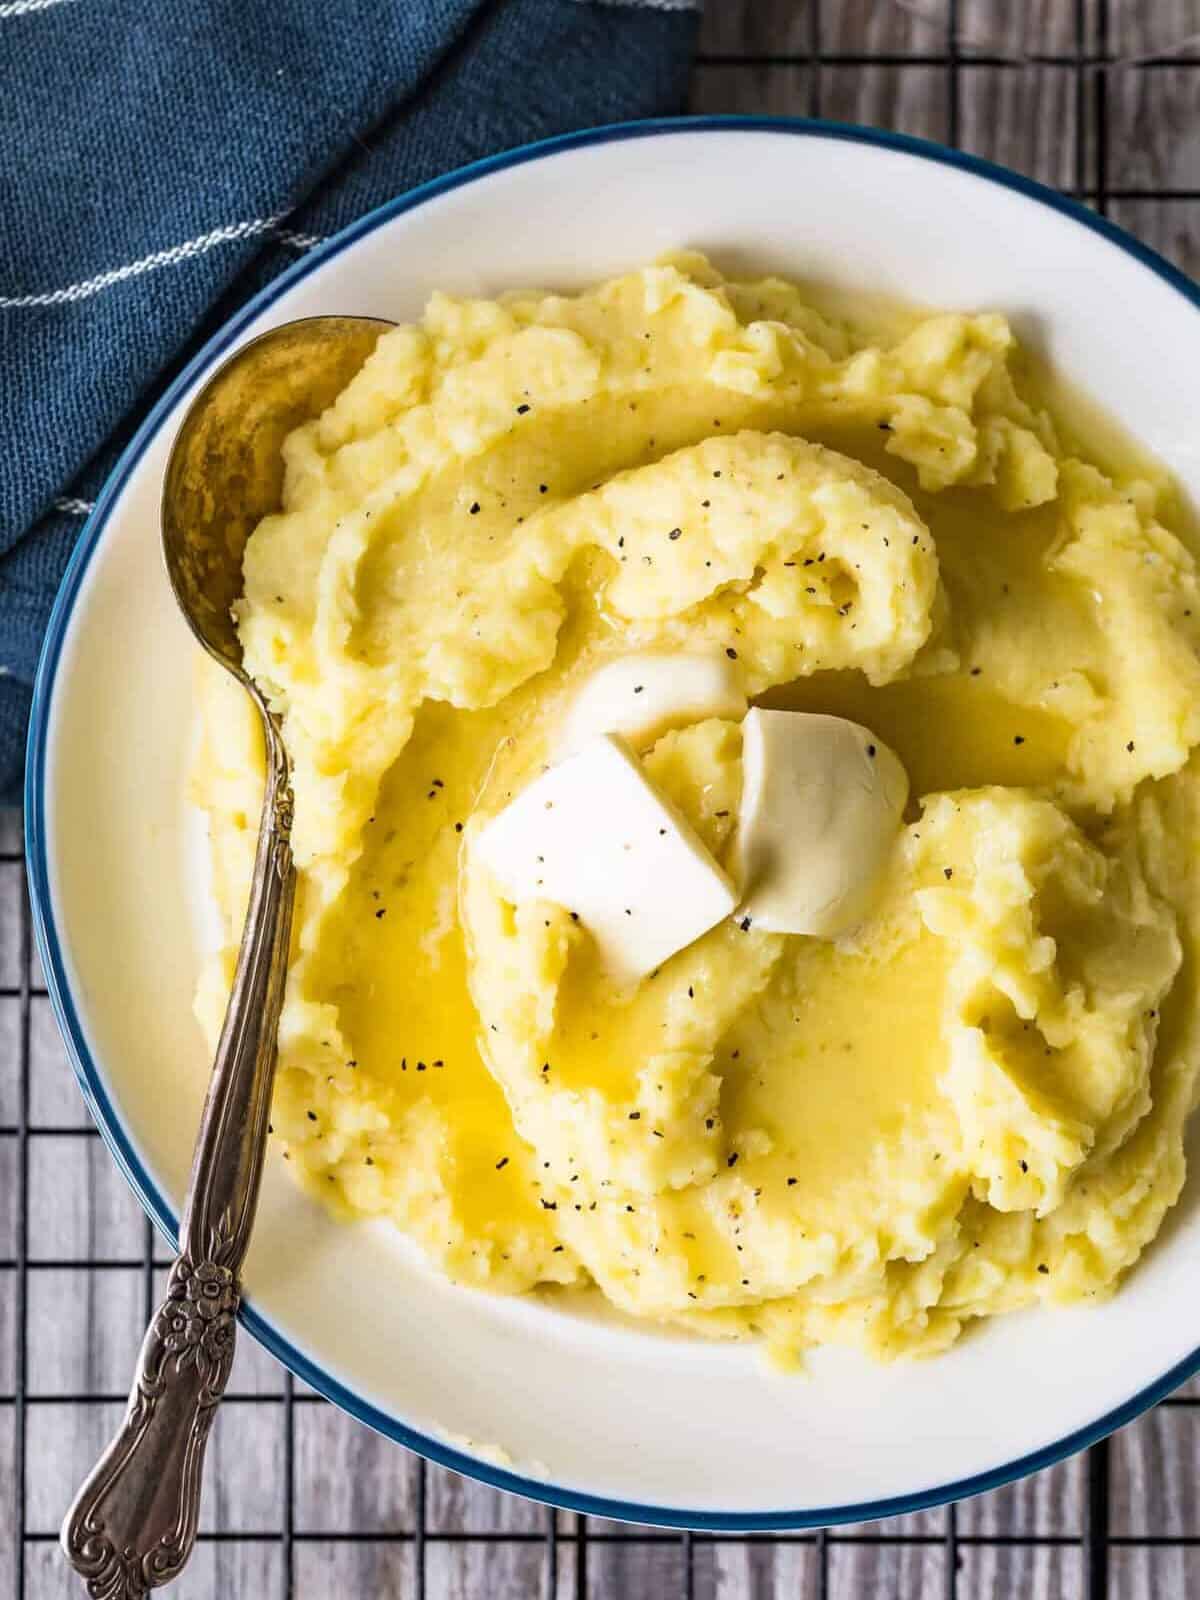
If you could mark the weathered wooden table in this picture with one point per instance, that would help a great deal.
(301, 1500)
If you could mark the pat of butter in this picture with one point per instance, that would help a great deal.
(822, 801)
(642, 696)
(594, 836)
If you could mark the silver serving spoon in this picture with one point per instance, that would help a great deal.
(133, 1522)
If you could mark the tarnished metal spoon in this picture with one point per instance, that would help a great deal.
(133, 1522)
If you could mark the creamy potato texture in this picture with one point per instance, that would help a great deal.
(974, 1101)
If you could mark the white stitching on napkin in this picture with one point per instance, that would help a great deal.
(22, 8)
(300, 241)
(163, 258)
(71, 507)
(648, 5)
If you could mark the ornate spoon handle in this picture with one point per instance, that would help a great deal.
(133, 1522)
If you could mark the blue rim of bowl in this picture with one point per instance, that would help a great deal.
(90, 1080)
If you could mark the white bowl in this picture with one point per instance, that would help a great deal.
(599, 1417)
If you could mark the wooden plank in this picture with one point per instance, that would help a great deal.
(215, 1572)
(907, 99)
(8, 1555)
(750, 90)
(10, 1062)
(243, 1469)
(243, 1474)
(503, 1572)
(784, 27)
(348, 1477)
(1154, 1574)
(1048, 1503)
(89, 1330)
(858, 1570)
(868, 27)
(9, 1163)
(755, 27)
(1154, 128)
(1155, 1474)
(54, 1097)
(83, 1207)
(355, 1571)
(912, 1524)
(62, 1443)
(1015, 28)
(1002, 1572)
(455, 1504)
(1141, 27)
(12, 881)
(625, 1569)
(8, 1332)
(12, 836)
(230, 1572)
(1171, 226)
(1020, 28)
(1024, 118)
(763, 1570)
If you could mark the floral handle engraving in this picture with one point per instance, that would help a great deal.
(182, 1373)
(133, 1523)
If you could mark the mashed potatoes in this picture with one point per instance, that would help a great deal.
(974, 1101)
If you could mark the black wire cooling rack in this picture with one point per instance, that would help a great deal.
(301, 1501)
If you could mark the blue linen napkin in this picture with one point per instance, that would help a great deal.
(160, 162)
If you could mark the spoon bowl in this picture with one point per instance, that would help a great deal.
(225, 472)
